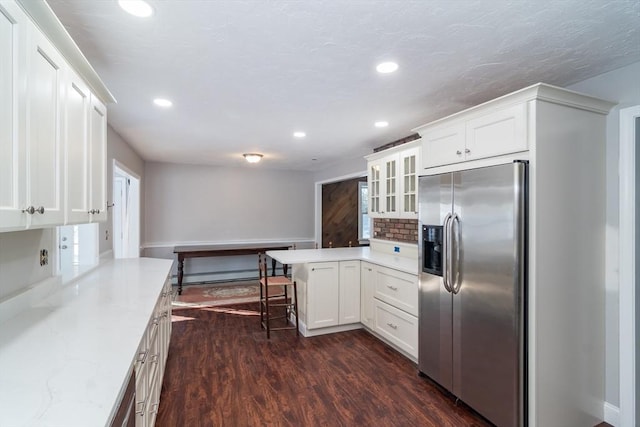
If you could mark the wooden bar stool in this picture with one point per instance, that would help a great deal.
(275, 296)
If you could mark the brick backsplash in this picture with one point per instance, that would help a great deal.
(399, 230)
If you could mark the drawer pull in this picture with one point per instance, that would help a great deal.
(392, 326)
(393, 288)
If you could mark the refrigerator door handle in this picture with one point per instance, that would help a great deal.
(455, 263)
(446, 259)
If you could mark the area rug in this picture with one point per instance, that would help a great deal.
(219, 294)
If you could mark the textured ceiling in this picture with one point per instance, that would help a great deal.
(244, 75)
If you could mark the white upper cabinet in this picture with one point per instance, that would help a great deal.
(45, 87)
(393, 181)
(52, 125)
(13, 29)
(409, 164)
(98, 163)
(497, 132)
(78, 104)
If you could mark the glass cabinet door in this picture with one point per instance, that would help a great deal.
(391, 181)
(409, 183)
(374, 189)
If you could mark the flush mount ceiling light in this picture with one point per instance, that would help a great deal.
(138, 8)
(161, 102)
(381, 124)
(387, 67)
(252, 157)
(299, 134)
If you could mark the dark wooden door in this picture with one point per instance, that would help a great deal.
(340, 213)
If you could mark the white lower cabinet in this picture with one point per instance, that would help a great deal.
(151, 360)
(389, 306)
(328, 293)
(397, 288)
(367, 284)
(323, 294)
(397, 327)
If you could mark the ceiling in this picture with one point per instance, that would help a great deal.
(244, 75)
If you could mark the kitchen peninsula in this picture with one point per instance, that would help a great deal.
(342, 289)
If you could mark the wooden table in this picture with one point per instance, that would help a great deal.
(203, 251)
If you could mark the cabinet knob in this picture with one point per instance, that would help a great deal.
(97, 211)
(40, 210)
(459, 153)
(466, 150)
(92, 211)
(30, 210)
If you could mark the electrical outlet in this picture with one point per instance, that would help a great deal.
(44, 257)
(106, 234)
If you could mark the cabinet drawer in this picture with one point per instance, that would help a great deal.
(398, 289)
(400, 328)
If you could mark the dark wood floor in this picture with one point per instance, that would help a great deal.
(222, 371)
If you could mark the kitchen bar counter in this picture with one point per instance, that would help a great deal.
(65, 359)
(302, 256)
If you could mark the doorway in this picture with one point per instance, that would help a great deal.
(629, 235)
(125, 212)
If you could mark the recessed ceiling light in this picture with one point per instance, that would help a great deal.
(161, 102)
(299, 134)
(387, 67)
(252, 157)
(381, 124)
(138, 8)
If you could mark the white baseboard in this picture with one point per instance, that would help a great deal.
(611, 414)
(302, 327)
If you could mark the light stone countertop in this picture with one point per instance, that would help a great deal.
(302, 256)
(65, 359)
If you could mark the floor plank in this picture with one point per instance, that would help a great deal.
(222, 371)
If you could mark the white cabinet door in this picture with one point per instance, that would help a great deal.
(44, 133)
(323, 293)
(98, 156)
(384, 187)
(349, 292)
(391, 204)
(409, 161)
(77, 105)
(443, 145)
(13, 34)
(374, 183)
(367, 286)
(500, 132)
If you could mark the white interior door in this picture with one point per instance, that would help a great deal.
(126, 213)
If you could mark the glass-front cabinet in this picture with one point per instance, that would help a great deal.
(409, 160)
(393, 182)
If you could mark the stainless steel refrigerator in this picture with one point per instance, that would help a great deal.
(472, 325)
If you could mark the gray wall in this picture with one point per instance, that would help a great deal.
(20, 260)
(621, 86)
(119, 149)
(188, 205)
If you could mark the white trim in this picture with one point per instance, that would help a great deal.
(611, 414)
(125, 169)
(318, 200)
(150, 245)
(627, 176)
